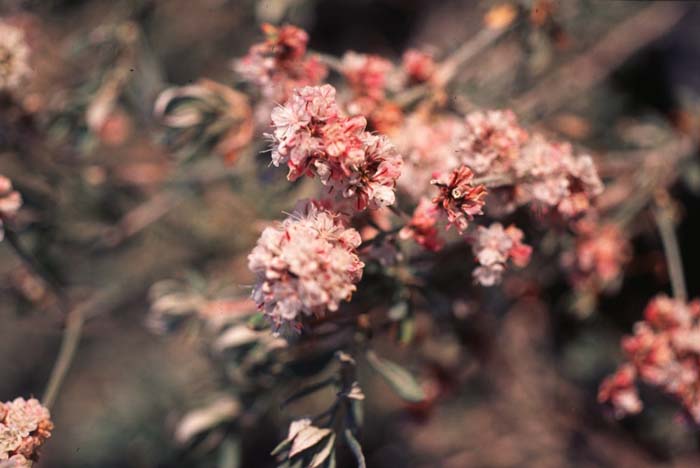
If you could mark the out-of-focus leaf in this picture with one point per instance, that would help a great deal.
(309, 390)
(234, 337)
(323, 455)
(407, 329)
(307, 438)
(356, 448)
(403, 383)
(281, 447)
(222, 410)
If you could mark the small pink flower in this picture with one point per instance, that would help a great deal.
(458, 199)
(24, 426)
(14, 57)
(422, 227)
(366, 74)
(279, 64)
(419, 66)
(305, 266)
(493, 247)
(620, 392)
(491, 141)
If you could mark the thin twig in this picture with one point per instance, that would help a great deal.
(664, 222)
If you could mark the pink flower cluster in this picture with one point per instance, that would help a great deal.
(305, 266)
(491, 141)
(10, 202)
(663, 352)
(598, 256)
(458, 198)
(313, 138)
(280, 63)
(428, 149)
(422, 227)
(418, 66)
(24, 427)
(493, 247)
(549, 175)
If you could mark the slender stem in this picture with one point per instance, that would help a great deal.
(69, 345)
(664, 221)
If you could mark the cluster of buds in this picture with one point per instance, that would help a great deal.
(14, 57)
(493, 247)
(596, 261)
(10, 202)
(313, 138)
(663, 352)
(280, 64)
(24, 427)
(305, 266)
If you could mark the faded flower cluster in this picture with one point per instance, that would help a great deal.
(280, 63)
(14, 57)
(493, 247)
(305, 266)
(663, 352)
(10, 202)
(312, 138)
(24, 427)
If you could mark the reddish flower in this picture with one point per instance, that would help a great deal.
(458, 198)
(493, 247)
(419, 66)
(10, 202)
(422, 227)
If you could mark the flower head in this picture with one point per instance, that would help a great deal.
(24, 426)
(491, 141)
(279, 64)
(312, 138)
(366, 74)
(422, 227)
(457, 198)
(493, 247)
(305, 266)
(14, 57)
(418, 66)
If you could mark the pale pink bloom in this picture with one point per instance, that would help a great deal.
(24, 426)
(457, 198)
(551, 176)
(493, 247)
(14, 57)
(305, 266)
(491, 141)
(312, 138)
(10, 202)
(366, 74)
(418, 66)
(428, 148)
(663, 352)
(280, 64)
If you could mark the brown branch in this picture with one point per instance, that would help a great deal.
(664, 221)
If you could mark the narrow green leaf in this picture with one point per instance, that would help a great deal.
(281, 447)
(356, 448)
(398, 378)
